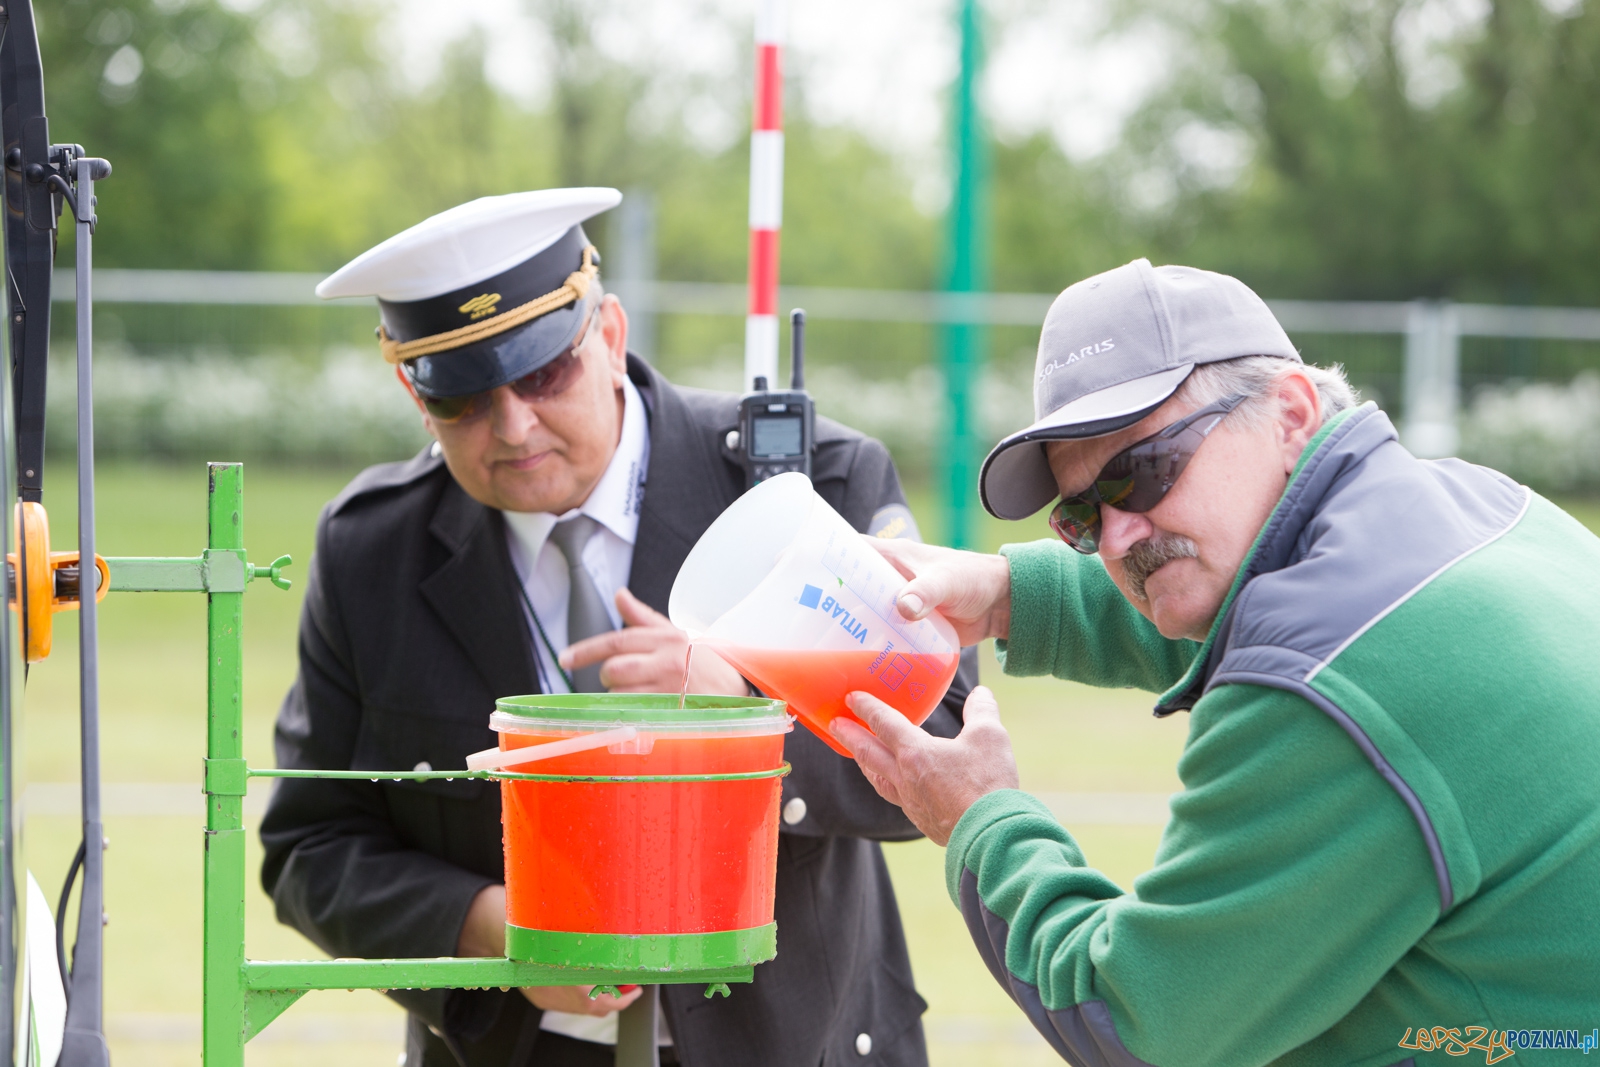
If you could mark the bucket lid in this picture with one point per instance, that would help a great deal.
(657, 713)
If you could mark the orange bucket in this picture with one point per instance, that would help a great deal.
(658, 853)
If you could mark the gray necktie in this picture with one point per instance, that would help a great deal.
(587, 616)
(586, 608)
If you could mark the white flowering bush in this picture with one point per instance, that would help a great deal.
(1544, 434)
(222, 405)
(349, 408)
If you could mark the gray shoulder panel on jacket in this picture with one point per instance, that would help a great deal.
(1082, 1034)
(1364, 525)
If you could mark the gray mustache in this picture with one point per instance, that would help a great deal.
(1150, 555)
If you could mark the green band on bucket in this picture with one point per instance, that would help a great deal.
(663, 710)
(657, 953)
(731, 776)
(451, 776)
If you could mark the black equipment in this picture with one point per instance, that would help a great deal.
(777, 428)
(40, 179)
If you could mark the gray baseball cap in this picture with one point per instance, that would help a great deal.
(1113, 348)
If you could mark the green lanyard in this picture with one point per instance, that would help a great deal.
(538, 663)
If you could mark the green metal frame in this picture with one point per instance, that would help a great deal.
(243, 995)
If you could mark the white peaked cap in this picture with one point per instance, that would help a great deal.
(466, 244)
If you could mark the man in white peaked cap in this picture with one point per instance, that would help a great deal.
(532, 548)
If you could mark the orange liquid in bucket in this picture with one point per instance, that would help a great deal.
(645, 857)
(815, 682)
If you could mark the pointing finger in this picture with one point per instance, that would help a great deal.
(612, 643)
(636, 612)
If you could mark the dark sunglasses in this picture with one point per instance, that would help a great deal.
(548, 381)
(1137, 477)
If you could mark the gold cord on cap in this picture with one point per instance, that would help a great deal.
(574, 289)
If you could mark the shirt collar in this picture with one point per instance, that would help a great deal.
(616, 499)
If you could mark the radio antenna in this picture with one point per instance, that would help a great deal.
(797, 374)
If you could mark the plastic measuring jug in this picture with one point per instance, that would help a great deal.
(785, 590)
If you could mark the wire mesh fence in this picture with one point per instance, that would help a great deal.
(256, 368)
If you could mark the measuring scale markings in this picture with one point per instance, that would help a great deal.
(850, 570)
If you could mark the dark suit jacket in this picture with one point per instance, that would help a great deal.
(412, 628)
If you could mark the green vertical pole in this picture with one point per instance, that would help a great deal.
(224, 862)
(964, 339)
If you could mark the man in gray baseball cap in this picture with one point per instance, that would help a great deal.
(1114, 347)
(1387, 824)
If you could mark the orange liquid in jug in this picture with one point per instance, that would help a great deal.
(815, 682)
(644, 858)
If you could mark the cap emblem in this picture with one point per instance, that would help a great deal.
(479, 306)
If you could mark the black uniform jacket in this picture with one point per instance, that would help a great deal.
(412, 627)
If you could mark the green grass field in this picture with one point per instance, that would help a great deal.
(1070, 740)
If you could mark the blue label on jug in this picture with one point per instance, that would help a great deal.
(810, 596)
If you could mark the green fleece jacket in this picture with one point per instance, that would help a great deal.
(1387, 846)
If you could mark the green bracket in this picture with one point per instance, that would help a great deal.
(139, 574)
(227, 777)
(217, 571)
(261, 1006)
(225, 570)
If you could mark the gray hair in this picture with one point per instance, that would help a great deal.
(1254, 376)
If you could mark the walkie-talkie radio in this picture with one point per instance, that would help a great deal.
(777, 428)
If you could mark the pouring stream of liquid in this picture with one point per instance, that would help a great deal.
(683, 694)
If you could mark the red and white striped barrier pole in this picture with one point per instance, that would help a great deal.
(766, 198)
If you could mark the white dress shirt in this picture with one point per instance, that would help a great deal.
(608, 557)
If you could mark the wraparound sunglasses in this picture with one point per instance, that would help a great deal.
(550, 380)
(1139, 476)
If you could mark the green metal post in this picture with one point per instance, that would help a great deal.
(964, 339)
(225, 773)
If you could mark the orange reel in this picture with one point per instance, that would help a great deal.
(49, 581)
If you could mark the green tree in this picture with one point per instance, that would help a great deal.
(1363, 181)
(174, 97)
